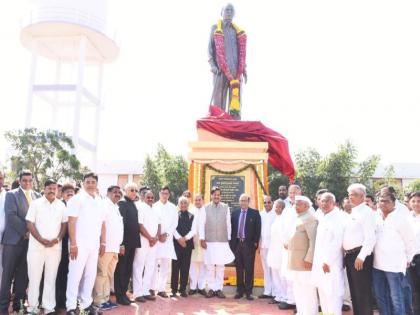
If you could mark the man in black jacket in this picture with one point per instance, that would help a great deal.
(246, 231)
(184, 245)
(131, 241)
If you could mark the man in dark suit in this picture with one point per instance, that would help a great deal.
(15, 241)
(246, 231)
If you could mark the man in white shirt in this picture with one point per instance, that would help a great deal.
(47, 224)
(358, 242)
(145, 256)
(215, 233)
(87, 234)
(327, 270)
(197, 268)
(108, 261)
(394, 250)
(168, 215)
(267, 218)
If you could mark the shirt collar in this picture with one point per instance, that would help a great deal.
(244, 210)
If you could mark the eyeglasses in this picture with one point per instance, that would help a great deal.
(265, 202)
(133, 190)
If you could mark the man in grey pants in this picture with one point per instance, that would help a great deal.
(15, 242)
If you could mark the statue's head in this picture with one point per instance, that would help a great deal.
(228, 12)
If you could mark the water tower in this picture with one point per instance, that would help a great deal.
(73, 34)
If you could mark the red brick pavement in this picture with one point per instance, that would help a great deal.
(198, 305)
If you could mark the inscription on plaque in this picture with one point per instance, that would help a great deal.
(232, 187)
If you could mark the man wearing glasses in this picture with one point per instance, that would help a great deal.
(15, 241)
(131, 241)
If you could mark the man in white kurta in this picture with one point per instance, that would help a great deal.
(215, 231)
(197, 268)
(47, 224)
(145, 257)
(327, 269)
(108, 261)
(275, 255)
(87, 214)
(168, 215)
(267, 218)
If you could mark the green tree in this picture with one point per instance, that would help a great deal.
(335, 171)
(165, 169)
(275, 179)
(389, 180)
(413, 186)
(46, 153)
(307, 171)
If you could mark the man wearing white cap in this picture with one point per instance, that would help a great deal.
(328, 270)
(301, 247)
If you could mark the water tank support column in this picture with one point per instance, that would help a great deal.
(28, 119)
(56, 96)
(79, 92)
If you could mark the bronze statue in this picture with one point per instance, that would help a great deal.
(227, 54)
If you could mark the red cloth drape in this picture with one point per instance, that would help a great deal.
(222, 124)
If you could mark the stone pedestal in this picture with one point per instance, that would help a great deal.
(236, 167)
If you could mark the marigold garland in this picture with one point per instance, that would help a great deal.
(219, 41)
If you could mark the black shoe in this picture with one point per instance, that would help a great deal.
(210, 294)
(220, 294)
(150, 297)
(345, 308)
(123, 300)
(92, 310)
(184, 294)
(71, 312)
(202, 292)
(163, 294)
(238, 296)
(286, 306)
(140, 299)
(152, 292)
(249, 297)
(265, 296)
(173, 295)
(192, 292)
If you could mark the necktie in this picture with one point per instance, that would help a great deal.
(28, 196)
(242, 225)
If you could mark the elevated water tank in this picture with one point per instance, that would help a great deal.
(53, 29)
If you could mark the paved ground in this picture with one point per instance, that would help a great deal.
(198, 305)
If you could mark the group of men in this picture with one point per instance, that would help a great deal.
(64, 250)
(365, 252)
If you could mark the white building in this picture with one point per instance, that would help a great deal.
(118, 173)
(404, 173)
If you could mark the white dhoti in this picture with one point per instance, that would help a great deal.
(216, 256)
(81, 278)
(305, 293)
(280, 287)
(143, 268)
(268, 289)
(197, 275)
(165, 252)
(331, 291)
(47, 260)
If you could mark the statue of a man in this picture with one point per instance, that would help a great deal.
(227, 53)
